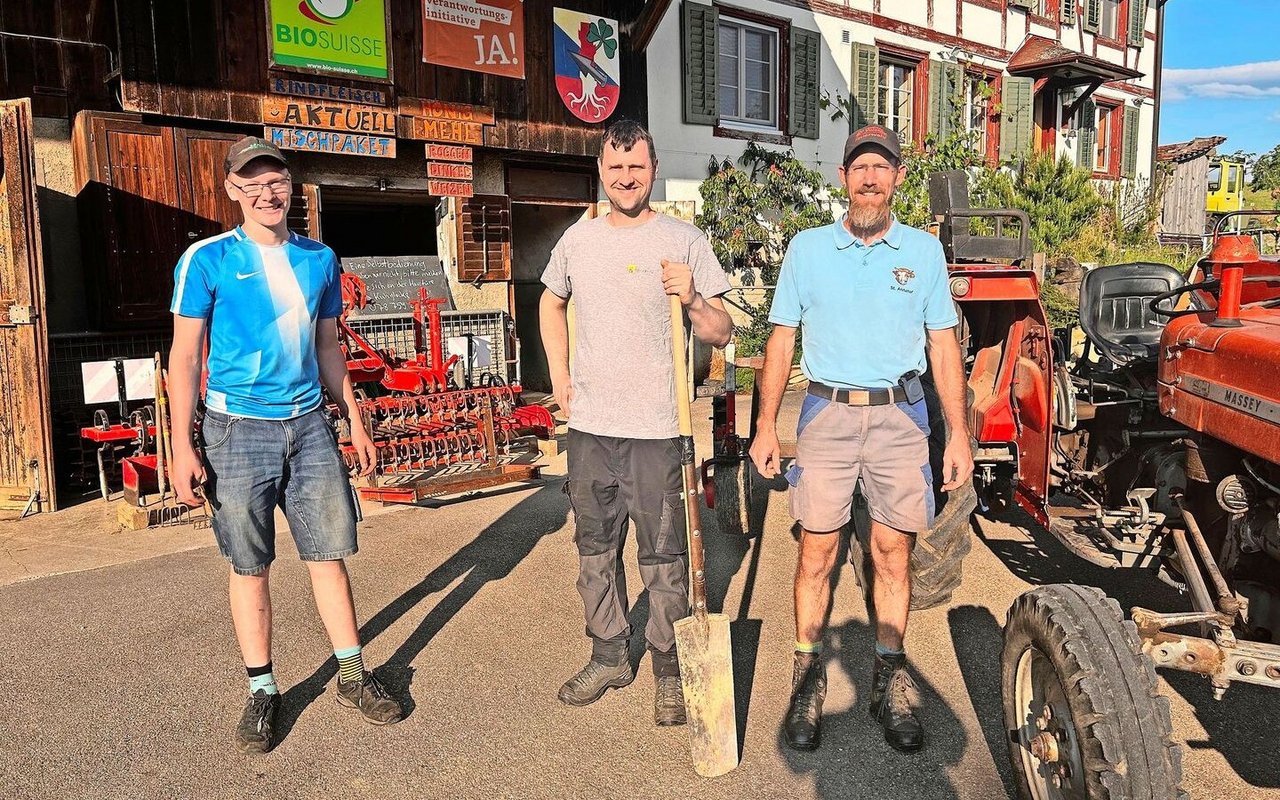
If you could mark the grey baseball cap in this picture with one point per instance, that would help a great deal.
(249, 148)
(872, 136)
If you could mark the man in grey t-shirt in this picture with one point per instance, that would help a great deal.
(624, 460)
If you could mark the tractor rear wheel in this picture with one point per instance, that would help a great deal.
(1080, 702)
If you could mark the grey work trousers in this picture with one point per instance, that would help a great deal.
(613, 480)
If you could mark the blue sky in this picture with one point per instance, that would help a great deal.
(1222, 73)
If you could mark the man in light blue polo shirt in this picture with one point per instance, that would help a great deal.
(871, 296)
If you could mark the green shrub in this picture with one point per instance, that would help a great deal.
(1059, 197)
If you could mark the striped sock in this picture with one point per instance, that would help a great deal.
(350, 664)
(813, 648)
(262, 678)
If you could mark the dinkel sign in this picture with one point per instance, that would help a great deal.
(346, 37)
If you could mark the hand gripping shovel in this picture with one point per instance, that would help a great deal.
(702, 639)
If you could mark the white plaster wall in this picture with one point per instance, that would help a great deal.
(684, 150)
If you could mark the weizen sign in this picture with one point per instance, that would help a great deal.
(339, 142)
(449, 189)
(329, 116)
(347, 37)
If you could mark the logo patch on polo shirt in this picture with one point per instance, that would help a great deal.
(903, 275)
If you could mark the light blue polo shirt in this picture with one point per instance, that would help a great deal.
(863, 310)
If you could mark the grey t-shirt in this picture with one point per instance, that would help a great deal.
(623, 380)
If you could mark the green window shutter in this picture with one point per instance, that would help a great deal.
(699, 31)
(1017, 112)
(866, 77)
(1068, 12)
(1092, 15)
(1129, 163)
(1137, 22)
(946, 84)
(806, 54)
(1087, 138)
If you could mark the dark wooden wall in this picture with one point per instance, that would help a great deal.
(208, 60)
(60, 77)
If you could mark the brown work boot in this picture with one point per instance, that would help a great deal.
(593, 680)
(371, 697)
(892, 691)
(802, 728)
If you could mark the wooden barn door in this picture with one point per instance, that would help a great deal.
(26, 471)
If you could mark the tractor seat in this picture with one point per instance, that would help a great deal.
(1114, 311)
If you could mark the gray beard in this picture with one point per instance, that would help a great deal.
(866, 221)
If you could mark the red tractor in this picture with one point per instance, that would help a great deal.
(1154, 446)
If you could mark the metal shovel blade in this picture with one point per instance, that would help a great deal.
(706, 670)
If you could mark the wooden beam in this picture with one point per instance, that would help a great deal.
(645, 25)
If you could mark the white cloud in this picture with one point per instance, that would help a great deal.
(1254, 81)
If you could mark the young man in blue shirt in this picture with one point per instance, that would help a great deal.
(870, 295)
(267, 301)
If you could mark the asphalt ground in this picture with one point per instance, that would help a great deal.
(124, 681)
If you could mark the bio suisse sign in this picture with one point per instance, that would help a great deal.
(347, 37)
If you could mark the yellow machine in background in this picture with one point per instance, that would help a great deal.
(1224, 192)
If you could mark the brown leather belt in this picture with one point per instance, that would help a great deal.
(858, 397)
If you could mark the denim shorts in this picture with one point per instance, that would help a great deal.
(254, 465)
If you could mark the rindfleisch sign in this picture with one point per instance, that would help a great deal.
(338, 142)
(317, 90)
(330, 116)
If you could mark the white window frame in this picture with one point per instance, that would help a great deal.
(883, 115)
(971, 81)
(1118, 8)
(742, 122)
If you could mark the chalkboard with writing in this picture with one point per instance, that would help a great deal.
(394, 280)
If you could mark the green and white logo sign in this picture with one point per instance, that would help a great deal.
(347, 37)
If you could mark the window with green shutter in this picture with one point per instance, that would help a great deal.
(1129, 161)
(945, 98)
(866, 70)
(1092, 15)
(806, 56)
(1137, 22)
(699, 29)
(1087, 135)
(1067, 13)
(1017, 112)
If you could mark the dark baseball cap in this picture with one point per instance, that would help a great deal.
(249, 148)
(872, 136)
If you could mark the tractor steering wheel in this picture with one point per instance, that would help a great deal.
(1154, 303)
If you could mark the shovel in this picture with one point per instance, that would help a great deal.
(702, 639)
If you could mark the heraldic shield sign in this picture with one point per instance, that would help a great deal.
(588, 72)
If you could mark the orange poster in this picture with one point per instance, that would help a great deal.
(483, 36)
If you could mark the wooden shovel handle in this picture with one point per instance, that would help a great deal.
(692, 513)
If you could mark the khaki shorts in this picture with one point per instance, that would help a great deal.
(886, 446)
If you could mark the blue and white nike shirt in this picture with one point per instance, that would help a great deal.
(262, 303)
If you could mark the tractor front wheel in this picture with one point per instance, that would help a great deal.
(1080, 702)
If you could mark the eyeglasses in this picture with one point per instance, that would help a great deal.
(879, 170)
(282, 186)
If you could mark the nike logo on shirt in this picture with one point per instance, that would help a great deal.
(247, 275)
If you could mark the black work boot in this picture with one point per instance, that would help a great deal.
(372, 698)
(808, 691)
(255, 733)
(668, 701)
(891, 690)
